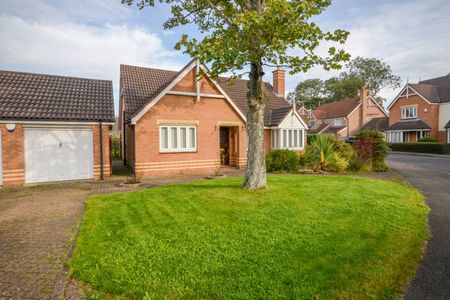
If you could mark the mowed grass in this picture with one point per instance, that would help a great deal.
(304, 237)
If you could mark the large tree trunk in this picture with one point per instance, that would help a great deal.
(255, 177)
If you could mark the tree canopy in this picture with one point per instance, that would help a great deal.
(371, 73)
(254, 34)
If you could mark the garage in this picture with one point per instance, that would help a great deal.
(58, 154)
(54, 128)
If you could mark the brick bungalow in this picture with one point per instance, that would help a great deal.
(420, 110)
(53, 128)
(343, 118)
(185, 122)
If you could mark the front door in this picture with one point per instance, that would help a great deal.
(225, 145)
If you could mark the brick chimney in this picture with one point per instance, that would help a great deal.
(279, 82)
(365, 102)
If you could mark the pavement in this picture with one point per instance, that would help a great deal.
(431, 175)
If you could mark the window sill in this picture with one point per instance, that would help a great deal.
(177, 151)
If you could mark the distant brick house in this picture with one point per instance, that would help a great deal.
(420, 110)
(185, 122)
(53, 128)
(343, 118)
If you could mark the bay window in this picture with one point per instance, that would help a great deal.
(287, 139)
(177, 138)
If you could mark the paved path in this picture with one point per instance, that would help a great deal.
(431, 175)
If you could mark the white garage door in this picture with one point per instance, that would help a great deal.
(58, 154)
(1, 163)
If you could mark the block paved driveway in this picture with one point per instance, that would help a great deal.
(37, 228)
(431, 175)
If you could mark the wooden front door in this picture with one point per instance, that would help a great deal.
(225, 145)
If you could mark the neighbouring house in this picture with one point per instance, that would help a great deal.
(186, 122)
(421, 110)
(343, 118)
(53, 128)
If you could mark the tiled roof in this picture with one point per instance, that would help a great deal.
(319, 129)
(139, 84)
(337, 109)
(277, 115)
(428, 91)
(376, 124)
(409, 125)
(47, 97)
(442, 85)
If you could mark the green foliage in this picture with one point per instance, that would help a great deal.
(375, 74)
(115, 149)
(325, 146)
(282, 160)
(371, 73)
(427, 139)
(310, 158)
(338, 160)
(371, 149)
(304, 238)
(435, 148)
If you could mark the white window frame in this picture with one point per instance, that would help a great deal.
(412, 112)
(338, 122)
(178, 147)
(398, 136)
(421, 134)
(448, 136)
(288, 138)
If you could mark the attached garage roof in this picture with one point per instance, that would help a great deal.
(409, 125)
(139, 84)
(29, 96)
(376, 124)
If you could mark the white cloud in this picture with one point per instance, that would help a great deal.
(67, 48)
(412, 37)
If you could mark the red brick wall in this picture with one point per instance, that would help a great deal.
(431, 117)
(13, 156)
(106, 151)
(208, 115)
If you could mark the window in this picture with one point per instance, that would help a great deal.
(409, 112)
(178, 138)
(337, 122)
(287, 138)
(398, 136)
(422, 134)
(448, 136)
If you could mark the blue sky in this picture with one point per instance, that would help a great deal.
(91, 38)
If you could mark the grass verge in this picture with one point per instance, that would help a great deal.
(304, 237)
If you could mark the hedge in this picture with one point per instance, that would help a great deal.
(435, 148)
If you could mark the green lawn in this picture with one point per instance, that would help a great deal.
(305, 237)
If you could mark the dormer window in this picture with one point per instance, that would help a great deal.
(409, 112)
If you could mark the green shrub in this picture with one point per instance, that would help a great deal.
(115, 146)
(436, 148)
(325, 145)
(427, 139)
(338, 164)
(282, 160)
(310, 158)
(371, 150)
